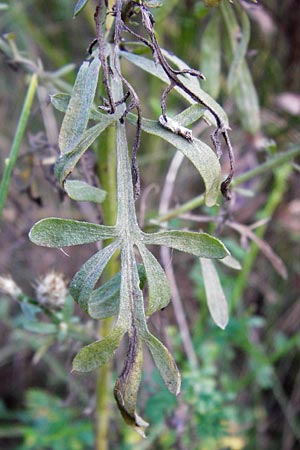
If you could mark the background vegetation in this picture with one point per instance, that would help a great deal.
(241, 386)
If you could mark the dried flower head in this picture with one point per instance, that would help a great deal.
(51, 291)
(8, 286)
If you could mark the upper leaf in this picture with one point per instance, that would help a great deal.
(77, 114)
(54, 232)
(156, 70)
(83, 192)
(198, 244)
(200, 154)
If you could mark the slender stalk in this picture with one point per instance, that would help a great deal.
(275, 198)
(269, 165)
(11, 161)
(106, 157)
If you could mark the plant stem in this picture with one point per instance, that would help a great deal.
(275, 198)
(11, 161)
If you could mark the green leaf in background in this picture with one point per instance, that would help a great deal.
(83, 192)
(165, 363)
(55, 232)
(79, 6)
(198, 244)
(104, 302)
(244, 92)
(66, 162)
(86, 278)
(215, 297)
(98, 353)
(127, 387)
(158, 286)
(77, 114)
(210, 56)
(200, 154)
(240, 53)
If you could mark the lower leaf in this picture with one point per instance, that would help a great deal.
(127, 385)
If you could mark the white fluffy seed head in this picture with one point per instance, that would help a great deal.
(9, 286)
(51, 291)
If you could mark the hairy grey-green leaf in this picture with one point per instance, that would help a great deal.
(198, 244)
(78, 110)
(210, 56)
(85, 279)
(79, 6)
(127, 386)
(83, 192)
(164, 363)
(156, 70)
(215, 297)
(98, 353)
(158, 286)
(199, 153)
(244, 92)
(231, 262)
(104, 302)
(55, 232)
(66, 162)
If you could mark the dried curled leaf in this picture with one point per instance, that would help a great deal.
(128, 383)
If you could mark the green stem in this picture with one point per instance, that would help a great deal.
(106, 158)
(11, 161)
(273, 163)
(275, 198)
